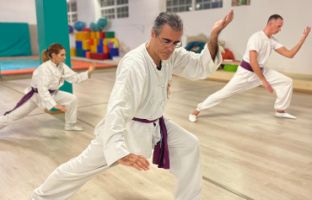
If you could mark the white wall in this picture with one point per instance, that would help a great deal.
(87, 10)
(134, 30)
(18, 11)
(248, 19)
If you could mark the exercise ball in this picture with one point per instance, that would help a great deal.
(102, 22)
(70, 29)
(79, 25)
(94, 27)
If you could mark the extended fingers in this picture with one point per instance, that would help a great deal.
(229, 17)
(138, 162)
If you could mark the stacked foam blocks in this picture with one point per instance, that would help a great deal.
(95, 45)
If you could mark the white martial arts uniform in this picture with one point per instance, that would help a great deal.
(49, 76)
(244, 80)
(140, 91)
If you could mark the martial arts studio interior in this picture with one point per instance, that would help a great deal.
(247, 150)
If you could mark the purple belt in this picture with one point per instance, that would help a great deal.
(161, 151)
(246, 65)
(25, 98)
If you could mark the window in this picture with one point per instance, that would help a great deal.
(207, 4)
(240, 2)
(179, 5)
(72, 11)
(114, 8)
(189, 5)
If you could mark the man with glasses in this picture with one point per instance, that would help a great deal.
(134, 122)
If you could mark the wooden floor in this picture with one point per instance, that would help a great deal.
(247, 153)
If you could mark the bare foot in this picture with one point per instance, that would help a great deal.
(195, 112)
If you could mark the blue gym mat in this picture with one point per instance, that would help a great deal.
(18, 64)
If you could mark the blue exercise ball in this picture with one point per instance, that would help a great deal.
(102, 22)
(79, 25)
(94, 27)
(70, 29)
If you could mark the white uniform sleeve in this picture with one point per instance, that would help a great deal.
(74, 77)
(123, 103)
(275, 44)
(43, 89)
(193, 65)
(254, 44)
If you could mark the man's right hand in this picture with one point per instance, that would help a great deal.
(222, 23)
(267, 86)
(60, 107)
(135, 161)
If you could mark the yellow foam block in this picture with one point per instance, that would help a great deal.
(93, 49)
(93, 34)
(85, 45)
(72, 51)
(78, 35)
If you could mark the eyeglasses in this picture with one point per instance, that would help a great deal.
(168, 43)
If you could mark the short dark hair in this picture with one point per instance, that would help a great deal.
(172, 19)
(275, 17)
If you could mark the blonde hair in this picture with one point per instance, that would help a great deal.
(53, 48)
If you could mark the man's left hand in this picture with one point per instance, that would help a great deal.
(307, 31)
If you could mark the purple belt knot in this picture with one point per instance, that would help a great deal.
(161, 150)
(25, 98)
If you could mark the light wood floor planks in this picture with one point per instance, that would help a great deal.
(246, 153)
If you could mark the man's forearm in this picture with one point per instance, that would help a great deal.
(213, 45)
(216, 30)
(257, 70)
(297, 47)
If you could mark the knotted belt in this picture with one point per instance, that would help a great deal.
(161, 151)
(25, 98)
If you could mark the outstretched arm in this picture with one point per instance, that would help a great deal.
(216, 30)
(198, 66)
(292, 52)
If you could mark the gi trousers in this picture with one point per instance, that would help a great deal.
(244, 80)
(184, 164)
(62, 98)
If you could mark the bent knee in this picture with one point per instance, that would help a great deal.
(193, 142)
(73, 99)
(288, 81)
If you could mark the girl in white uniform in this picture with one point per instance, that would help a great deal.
(43, 91)
(252, 72)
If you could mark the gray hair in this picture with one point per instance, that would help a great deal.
(172, 19)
